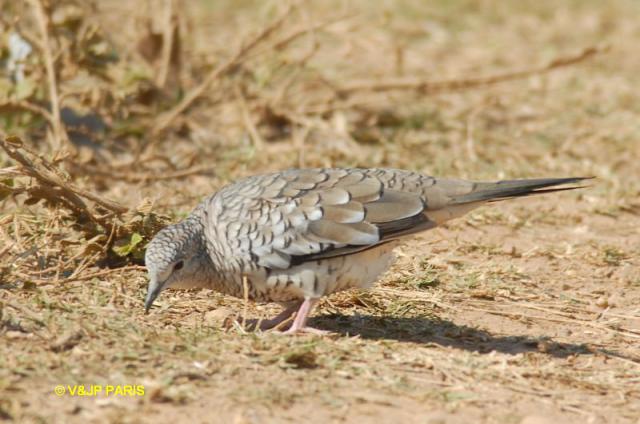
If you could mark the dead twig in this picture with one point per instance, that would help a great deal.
(297, 33)
(256, 138)
(53, 187)
(432, 87)
(59, 133)
(31, 107)
(135, 177)
(167, 118)
(300, 138)
(169, 26)
(245, 301)
(6, 248)
(102, 273)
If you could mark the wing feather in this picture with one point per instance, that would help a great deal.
(349, 213)
(359, 233)
(394, 205)
(300, 215)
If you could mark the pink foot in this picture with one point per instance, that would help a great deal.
(279, 319)
(299, 324)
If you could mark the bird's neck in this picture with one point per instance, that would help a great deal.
(207, 275)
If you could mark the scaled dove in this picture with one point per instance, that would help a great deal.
(301, 234)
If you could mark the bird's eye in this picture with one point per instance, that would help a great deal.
(178, 266)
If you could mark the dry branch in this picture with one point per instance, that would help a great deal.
(30, 107)
(431, 87)
(164, 120)
(134, 177)
(53, 187)
(297, 33)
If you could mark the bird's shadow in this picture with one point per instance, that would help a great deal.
(441, 332)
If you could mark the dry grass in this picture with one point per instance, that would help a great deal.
(526, 310)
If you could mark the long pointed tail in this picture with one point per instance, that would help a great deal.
(500, 190)
(449, 199)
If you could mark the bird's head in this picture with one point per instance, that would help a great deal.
(174, 258)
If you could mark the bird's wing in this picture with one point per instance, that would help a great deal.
(279, 220)
(286, 218)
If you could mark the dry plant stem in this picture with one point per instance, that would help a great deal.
(134, 177)
(299, 64)
(102, 273)
(52, 186)
(122, 295)
(470, 127)
(51, 179)
(6, 248)
(168, 30)
(258, 143)
(59, 134)
(164, 120)
(84, 264)
(431, 87)
(17, 235)
(31, 107)
(300, 138)
(245, 299)
(109, 242)
(297, 33)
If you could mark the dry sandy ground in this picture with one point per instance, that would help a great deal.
(502, 318)
(524, 312)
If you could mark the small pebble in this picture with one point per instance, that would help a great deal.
(602, 302)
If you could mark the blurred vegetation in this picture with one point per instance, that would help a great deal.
(89, 110)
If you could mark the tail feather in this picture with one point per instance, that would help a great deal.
(483, 192)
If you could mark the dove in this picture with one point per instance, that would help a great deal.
(297, 235)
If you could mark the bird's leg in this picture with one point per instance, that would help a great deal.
(300, 322)
(288, 311)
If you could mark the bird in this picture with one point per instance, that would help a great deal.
(297, 235)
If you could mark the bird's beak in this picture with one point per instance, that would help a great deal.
(153, 291)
